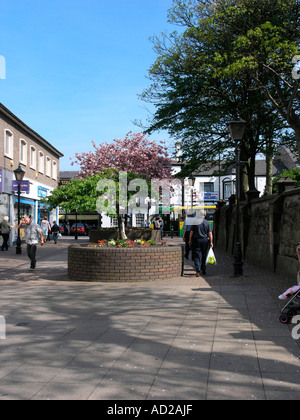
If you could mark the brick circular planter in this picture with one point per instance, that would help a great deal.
(105, 264)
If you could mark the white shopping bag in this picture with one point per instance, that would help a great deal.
(211, 259)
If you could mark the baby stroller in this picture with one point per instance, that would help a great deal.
(293, 294)
(292, 307)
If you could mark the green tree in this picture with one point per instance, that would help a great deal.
(81, 195)
(202, 75)
(293, 173)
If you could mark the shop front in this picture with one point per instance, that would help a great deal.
(27, 209)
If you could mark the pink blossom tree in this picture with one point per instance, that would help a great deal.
(133, 154)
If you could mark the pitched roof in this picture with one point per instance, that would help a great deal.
(260, 169)
(5, 111)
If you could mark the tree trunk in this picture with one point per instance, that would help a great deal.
(269, 167)
(121, 228)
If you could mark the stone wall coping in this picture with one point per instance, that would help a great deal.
(151, 248)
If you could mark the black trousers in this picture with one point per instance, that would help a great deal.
(31, 251)
(200, 250)
(5, 237)
(187, 245)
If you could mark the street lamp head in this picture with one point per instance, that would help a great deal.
(237, 128)
(191, 180)
(19, 173)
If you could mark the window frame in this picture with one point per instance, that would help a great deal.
(33, 157)
(25, 157)
(48, 167)
(9, 153)
(41, 164)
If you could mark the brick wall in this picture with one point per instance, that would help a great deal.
(270, 230)
(124, 264)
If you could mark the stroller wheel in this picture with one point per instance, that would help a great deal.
(284, 319)
(291, 313)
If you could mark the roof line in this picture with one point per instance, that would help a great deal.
(25, 127)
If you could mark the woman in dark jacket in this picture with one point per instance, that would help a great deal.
(55, 231)
(5, 231)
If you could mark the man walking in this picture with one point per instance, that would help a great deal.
(32, 234)
(201, 238)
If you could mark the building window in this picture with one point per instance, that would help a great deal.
(114, 222)
(23, 152)
(227, 189)
(8, 144)
(54, 170)
(33, 157)
(41, 162)
(208, 187)
(139, 219)
(48, 166)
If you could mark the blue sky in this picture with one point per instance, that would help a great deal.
(74, 68)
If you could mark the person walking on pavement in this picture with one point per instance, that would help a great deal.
(5, 231)
(187, 225)
(32, 234)
(55, 231)
(45, 226)
(161, 227)
(201, 239)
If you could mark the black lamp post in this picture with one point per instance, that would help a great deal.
(192, 180)
(19, 174)
(236, 129)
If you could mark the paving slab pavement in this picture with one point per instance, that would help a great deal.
(209, 338)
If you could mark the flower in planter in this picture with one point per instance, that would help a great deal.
(127, 244)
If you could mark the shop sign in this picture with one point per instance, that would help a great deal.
(42, 192)
(209, 196)
(25, 186)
